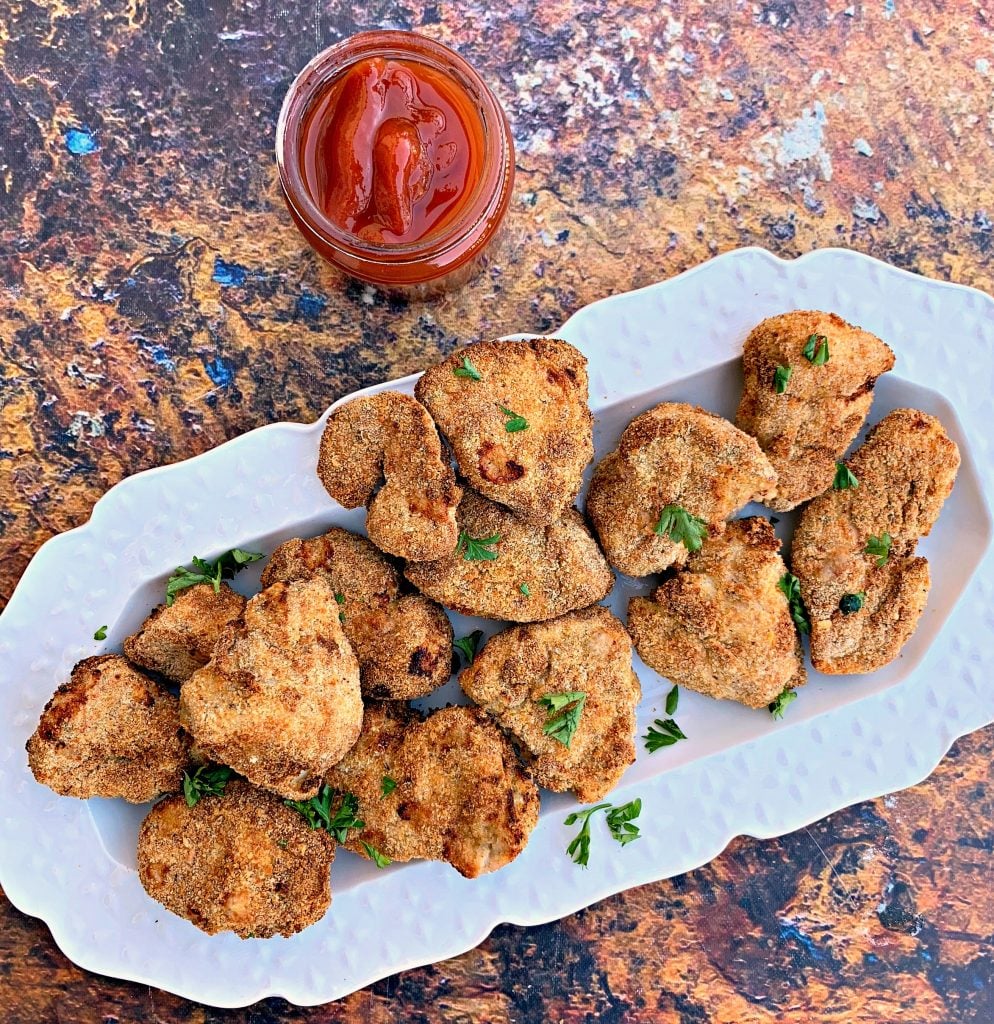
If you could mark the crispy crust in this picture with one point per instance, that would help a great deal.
(906, 470)
(110, 731)
(673, 454)
(390, 439)
(721, 626)
(462, 795)
(403, 642)
(178, 639)
(806, 430)
(587, 651)
(242, 862)
(560, 563)
(536, 472)
(279, 702)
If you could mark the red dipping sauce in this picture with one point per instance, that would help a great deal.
(396, 160)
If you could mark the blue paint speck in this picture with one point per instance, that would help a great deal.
(791, 931)
(219, 372)
(160, 356)
(228, 275)
(80, 141)
(871, 958)
(310, 305)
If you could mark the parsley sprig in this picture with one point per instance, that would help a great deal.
(515, 422)
(845, 479)
(619, 823)
(100, 634)
(381, 860)
(780, 377)
(387, 785)
(477, 549)
(816, 350)
(222, 568)
(564, 710)
(779, 706)
(207, 780)
(467, 646)
(467, 369)
(680, 526)
(663, 732)
(790, 587)
(879, 547)
(318, 813)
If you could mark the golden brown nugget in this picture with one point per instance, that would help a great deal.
(240, 862)
(673, 457)
(177, 639)
(806, 429)
(526, 573)
(459, 793)
(279, 702)
(110, 731)
(586, 652)
(535, 470)
(722, 626)
(403, 641)
(906, 469)
(390, 439)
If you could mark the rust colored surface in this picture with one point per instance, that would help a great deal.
(156, 300)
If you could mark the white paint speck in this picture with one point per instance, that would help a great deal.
(982, 66)
(800, 141)
(863, 147)
(865, 209)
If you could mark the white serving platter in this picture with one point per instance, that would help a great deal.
(71, 863)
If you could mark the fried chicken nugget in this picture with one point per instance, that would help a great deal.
(461, 794)
(241, 862)
(390, 437)
(673, 455)
(403, 641)
(536, 468)
(177, 639)
(279, 702)
(506, 568)
(586, 652)
(806, 429)
(110, 731)
(906, 469)
(722, 626)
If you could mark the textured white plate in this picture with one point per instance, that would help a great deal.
(71, 863)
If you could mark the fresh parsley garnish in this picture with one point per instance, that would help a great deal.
(317, 812)
(790, 587)
(844, 477)
(467, 370)
(524, 590)
(667, 733)
(207, 780)
(779, 706)
(680, 526)
(387, 786)
(101, 633)
(852, 603)
(514, 421)
(222, 568)
(564, 714)
(780, 377)
(381, 860)
(340, 600)
(477, 549)
(816, 349)
(619, 823)
(467, 646)
(672, 699)
(880, 547)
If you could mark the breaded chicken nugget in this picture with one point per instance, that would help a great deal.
(586, 652)
(279, 702)
(522, 432)
(177, 639)
(241, 862)
(865, 597)
(506, 568)
(403, 641)
(110, 731)
(677, 474)
(459, 791)
(722, 625)
(805, 409)
(390, 439)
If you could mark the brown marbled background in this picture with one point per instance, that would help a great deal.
(156, 301)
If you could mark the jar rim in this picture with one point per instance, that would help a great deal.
(490, 193)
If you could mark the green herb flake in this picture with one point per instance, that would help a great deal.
(387, 785)
(467, 646)
(514, 422)
(682, 527)
(790, 587)
(317, 812)
(619, 823)
(381, 860)
(780, 377)
(524, 590)
(816, 350)
(662, 733)
(100, 634)
(579, 847)
(564, 710)
(467, 369)
(879, 547)
(672, 699)
(207, 780)
(852, 603)
(477, 549)
(223, 567)
(779, 706)
(844, 478)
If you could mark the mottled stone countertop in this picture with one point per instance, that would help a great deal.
(156, 300)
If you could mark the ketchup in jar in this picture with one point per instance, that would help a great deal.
(396, 161)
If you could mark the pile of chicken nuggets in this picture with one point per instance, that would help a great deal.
(274, 729)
